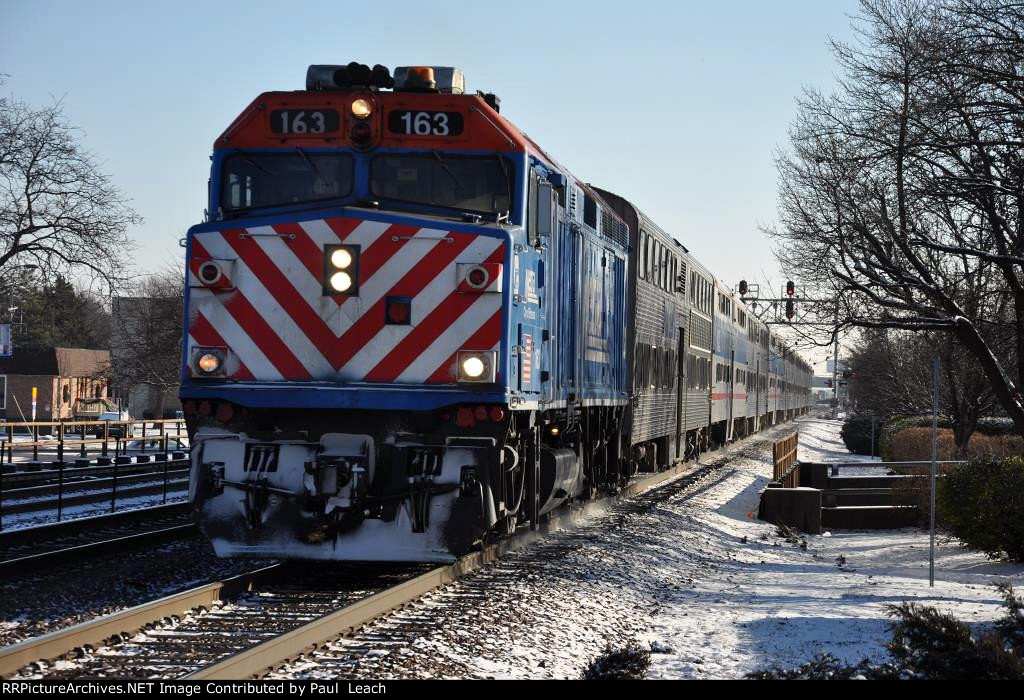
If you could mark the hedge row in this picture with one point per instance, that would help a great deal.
(981, 502)
(856, 431)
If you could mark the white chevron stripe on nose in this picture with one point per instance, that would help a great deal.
(452, 339)
(252, 288)
(239, 342)
(436, 291)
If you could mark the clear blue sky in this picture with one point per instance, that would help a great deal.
(678, 106)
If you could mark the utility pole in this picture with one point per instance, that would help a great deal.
(835, 370)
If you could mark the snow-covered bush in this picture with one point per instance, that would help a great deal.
(934, 645)
(628, 663)
(982, 503)
(931, 645)
(825, 667)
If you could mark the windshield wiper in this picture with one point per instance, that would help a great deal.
(447, 169)
(508, 185)
(309, 162)
(256, 165)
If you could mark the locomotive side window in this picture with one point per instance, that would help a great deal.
(542, 209)
(642, 256)
(590, 211)
(252, 180)
(649, 263)
(468, 183)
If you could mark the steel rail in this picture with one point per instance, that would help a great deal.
(76, 526)
(31, 562)
(70, 487)
(176, 486)
(54, 644)
(11, 479)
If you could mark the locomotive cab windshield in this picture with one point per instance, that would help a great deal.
(432, 181)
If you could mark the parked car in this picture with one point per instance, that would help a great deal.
(91, 409)
(116, 431)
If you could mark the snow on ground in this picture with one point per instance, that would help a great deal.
(713, 592)
(772, 604)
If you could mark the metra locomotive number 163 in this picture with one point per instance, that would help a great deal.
(409, 329)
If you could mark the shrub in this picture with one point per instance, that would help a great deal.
(1010, 627)
(856, 434)
(629, 663)
(825, 667)
(996, 426)
(934, 645)
(982, 503)
(915, 443)
(930, 645)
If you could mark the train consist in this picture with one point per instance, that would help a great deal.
(410, 330)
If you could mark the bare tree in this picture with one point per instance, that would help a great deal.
(146, 338)
(901, 198)
(58, 211)
(892, 369)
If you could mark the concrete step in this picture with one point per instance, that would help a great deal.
(833, 483)
(859, 497)
(868, 517)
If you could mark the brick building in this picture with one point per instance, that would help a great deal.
(60, 375)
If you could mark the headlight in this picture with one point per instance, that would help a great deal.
(341, 270)
(361, 109)
(208, 362)
(341, 258)
(477, 366)
(341, 281)
(473, 367)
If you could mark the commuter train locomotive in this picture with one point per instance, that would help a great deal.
(409, 330)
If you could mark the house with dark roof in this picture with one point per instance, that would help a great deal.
(60, 376)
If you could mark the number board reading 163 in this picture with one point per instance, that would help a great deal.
(414, 123)
(308, 121)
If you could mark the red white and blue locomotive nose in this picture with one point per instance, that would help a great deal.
(421, 294)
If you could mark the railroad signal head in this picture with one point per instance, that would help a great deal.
(790, 310)
(790, 288)
(743, 288)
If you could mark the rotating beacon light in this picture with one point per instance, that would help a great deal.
(341, 270)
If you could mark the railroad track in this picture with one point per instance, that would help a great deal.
(28, 549)
(281, 615)
(29, 494)
(150, 487)
(11, 481)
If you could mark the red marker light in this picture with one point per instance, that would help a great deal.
(464, 418)
(398, 312)
(497, 414)
(481, 413)
(225, 412)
